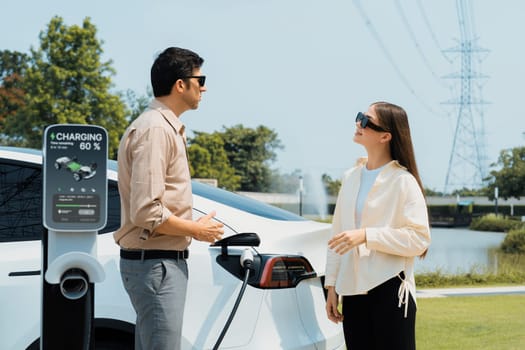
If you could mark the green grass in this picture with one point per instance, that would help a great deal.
(480, 322)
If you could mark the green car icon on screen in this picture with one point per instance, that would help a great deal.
(78, 170)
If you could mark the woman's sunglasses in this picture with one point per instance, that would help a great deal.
(202, 79)
(365, 122)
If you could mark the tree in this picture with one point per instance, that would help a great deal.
(137, 104)
(13, 66)
(430, 192)
(250, 152)
(66, 82)
(510, 178)
(469, 192)
(285, 183)
(208, 159)
(332, 186)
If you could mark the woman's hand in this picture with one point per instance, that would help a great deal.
(332, 301)
(342, 242)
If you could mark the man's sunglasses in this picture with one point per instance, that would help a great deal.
(202, 79)
(365, 122)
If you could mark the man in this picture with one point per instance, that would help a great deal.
(156, 198)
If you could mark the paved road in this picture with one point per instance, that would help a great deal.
(456, 292)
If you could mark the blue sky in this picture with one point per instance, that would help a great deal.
(304, 68)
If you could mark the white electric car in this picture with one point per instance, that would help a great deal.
(282, 306)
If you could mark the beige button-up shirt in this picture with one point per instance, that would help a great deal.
(153, 179)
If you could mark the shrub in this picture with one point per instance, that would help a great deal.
(494, 223)
(514, 242)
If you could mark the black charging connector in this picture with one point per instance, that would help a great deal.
(246, 261)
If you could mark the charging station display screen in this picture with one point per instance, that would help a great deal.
(75, 177)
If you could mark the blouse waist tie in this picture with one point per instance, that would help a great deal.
(403, 293)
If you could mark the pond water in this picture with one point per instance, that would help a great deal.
(460, 250)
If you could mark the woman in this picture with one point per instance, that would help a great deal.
(380, 225)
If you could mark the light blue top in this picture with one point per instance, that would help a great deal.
(368, 177)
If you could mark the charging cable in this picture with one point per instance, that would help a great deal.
(247, 264)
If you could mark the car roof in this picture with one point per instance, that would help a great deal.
(203, 190)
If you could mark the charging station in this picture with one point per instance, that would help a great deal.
(74, 210)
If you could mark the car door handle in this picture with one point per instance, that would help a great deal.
(24, 273)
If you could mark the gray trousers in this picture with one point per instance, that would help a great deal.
(157, 290)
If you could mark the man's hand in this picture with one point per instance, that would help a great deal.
(208, 230)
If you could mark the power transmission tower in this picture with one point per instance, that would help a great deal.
(467, 166)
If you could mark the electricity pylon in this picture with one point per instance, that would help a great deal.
(467, 167)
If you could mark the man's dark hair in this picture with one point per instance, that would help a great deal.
(171, 65)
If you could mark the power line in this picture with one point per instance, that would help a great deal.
(389, 57)
(429, 28)
(415, 41)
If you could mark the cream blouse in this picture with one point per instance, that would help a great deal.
(395, 218)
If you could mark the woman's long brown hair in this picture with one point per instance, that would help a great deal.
(394, 119)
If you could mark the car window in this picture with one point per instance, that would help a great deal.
(243, 203)
(21, 202)
(235, 200)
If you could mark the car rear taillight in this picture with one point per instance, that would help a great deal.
(284, 271)
(267, 271)
(270, 271)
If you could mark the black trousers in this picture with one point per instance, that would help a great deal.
(375, 322)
